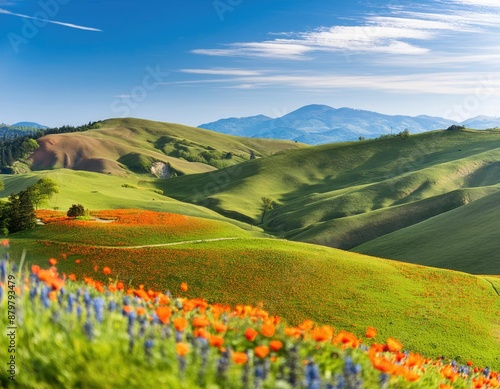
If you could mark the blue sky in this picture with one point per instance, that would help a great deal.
(195, 61)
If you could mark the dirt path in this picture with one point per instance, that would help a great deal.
(169, 244)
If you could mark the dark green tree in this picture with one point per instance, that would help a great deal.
(21, 213)
(43, 190)
(76, 210)
(268, 205)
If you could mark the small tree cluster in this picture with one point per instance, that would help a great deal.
(76, 210)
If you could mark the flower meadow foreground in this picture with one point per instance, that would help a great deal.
(69, 333)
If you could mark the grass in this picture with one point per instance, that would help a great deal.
(71, 330)
(433, 311)
(449, 240)
(132, 228)
(98, 191)
(344, 195)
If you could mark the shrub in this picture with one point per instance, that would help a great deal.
(76, 210)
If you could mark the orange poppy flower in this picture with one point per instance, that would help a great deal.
(275, 345)
(200, 321)
(216, 341)
(393, 345)
(35, 269)
(72, 277)
(164, 314)
(127, 309)
(239, 358)
(250, 334)
(182, 349)
(57, 284)
(141, 311)
(180, 324)
(201, 333)
(106, 270)
(261, 351)
(371, 332)
(411, 376)
(77, 260)
(268, 330)
(322, 334)
(53, 295)
(184, 287)
(383, 364)
(219, 327)
(52, 261)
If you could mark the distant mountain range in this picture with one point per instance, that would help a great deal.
(30, 124)
(317, 124)
(10, 130)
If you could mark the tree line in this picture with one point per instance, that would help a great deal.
(22, 144)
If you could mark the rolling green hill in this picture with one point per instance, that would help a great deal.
(344, 195)
(99, 191)
(445, 240)
(125, 146)
(432, 311)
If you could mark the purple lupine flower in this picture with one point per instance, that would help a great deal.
(89, 329)
(313, 377)
(112, 306)
(71, 303)
(79, 312)
(223, 365)
(3, 270)
(87, 299)
(204, 352)
(99, 308)
(148, 345)
(44, 296)
(142, 330)
(1, 293)
(178, 336)
(33, 293)
(384, 380)
(131, 320)
(340, 382)
(155, 319)
(486, 372)
(352, 374)
(293, 363)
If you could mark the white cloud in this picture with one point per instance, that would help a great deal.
(438, 83)
(480, 3)
(222, 72)
(402, 32)
(70, 25)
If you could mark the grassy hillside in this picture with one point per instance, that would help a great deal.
(122, 146)
(445, 240)
(423, 307)
(99, 191)
(344, 195)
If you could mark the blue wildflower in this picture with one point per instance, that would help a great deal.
(99, 308)
(89, 329)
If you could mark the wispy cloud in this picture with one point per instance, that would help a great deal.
(70, 25)
(481, 3)
(223, 72)
(401, 32)
(428, 83)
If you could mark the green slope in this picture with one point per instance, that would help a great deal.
(122, 146)
(344, 195)
(98, 191)
(464, 239)
(433, 311)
